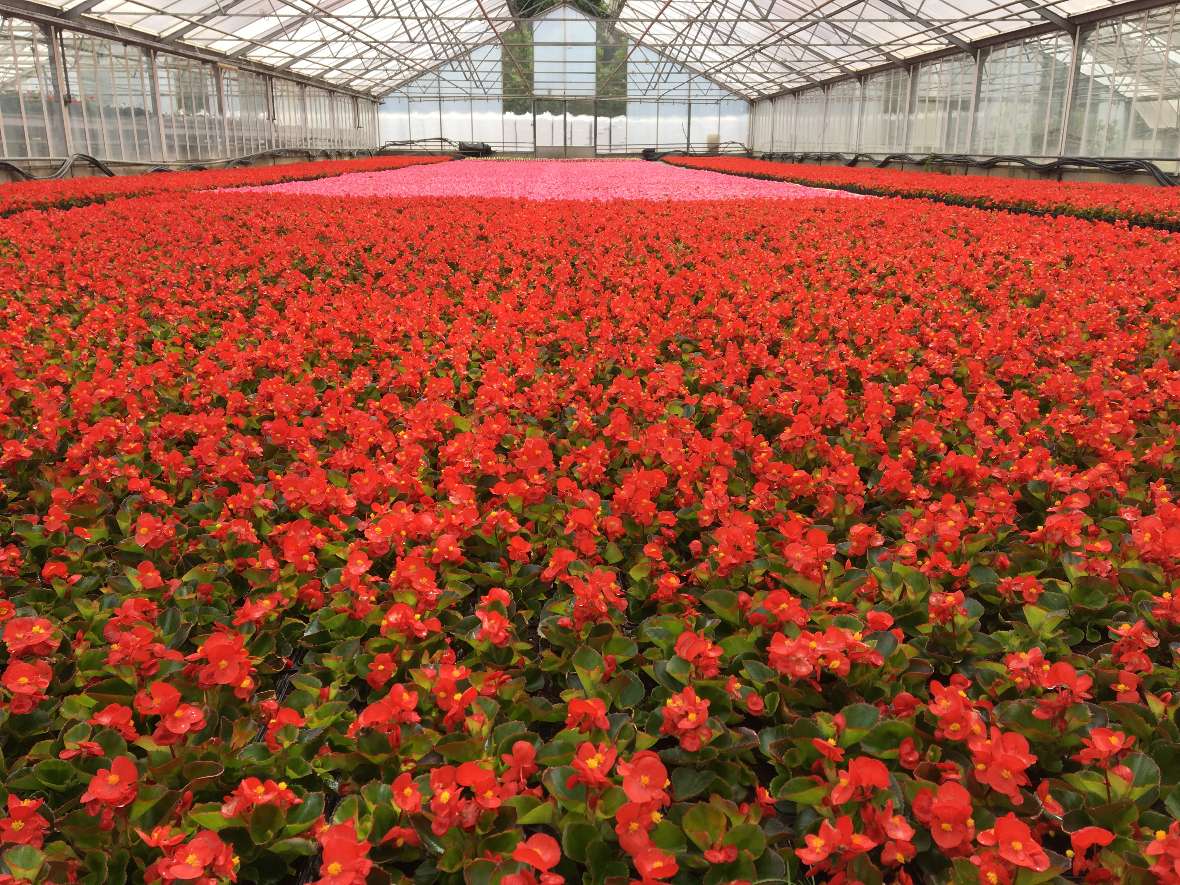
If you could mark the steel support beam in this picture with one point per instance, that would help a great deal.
(46, 15)
(938, 30)
(1047, 14)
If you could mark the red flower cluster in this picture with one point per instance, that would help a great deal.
(1156, 206)
(613, 542)
(62, 193)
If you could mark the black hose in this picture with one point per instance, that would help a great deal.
(277, 153)
(14, 170)
(1114, 166)
(60, 172)
(68, 164)
(728, 148)
(460, 149)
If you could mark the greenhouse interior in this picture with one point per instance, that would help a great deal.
(589, 442)
(181, 82)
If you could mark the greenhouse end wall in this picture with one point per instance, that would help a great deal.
(64, 92)
(1110, 88)
(566, 85)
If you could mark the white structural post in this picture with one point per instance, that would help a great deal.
(1070, 85)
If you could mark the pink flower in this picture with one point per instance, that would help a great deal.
(553, 180)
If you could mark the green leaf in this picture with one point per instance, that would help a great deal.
(348, 809)
(588, 664)
(690, 782)
(884, 739)
(640, 570)
(294, 847)
(576, 837)
(55, 774)
(326, 714)
(757, 672)
(460, 748)
(209, 816)
(705, 825)
(78, 706)
(304, 814)
(24, 862)
(747, 837)
(556, 781)
(530, 810)
(723, 603)
(479, 872)
(151, 805)
(265, 823)
(803, 791)
(668, 837)
(858, 718)
(1043, 623)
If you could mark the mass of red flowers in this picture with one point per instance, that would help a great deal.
(63, 193)
(1139, 204)
(493, 541)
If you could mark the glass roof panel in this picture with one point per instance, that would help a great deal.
(750, 47)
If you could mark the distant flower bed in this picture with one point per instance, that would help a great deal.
(441, 541)
(19, 196)
(1155, 206)
(552, 180)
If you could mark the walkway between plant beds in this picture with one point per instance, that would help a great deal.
(555, 180)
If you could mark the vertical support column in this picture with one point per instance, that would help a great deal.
(826, 95)
(304, 117)
(974, 101)
(61, 87)
(752, 122)
(1075, 38)
(153, 66)
(688, 128)
(223, 108)
(910, 107)
(1135, 78)
(20, 100)
(1155, 130)
(860, 114)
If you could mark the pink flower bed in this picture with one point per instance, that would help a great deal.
(553, 180)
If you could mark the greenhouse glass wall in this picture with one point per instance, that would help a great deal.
(1109, 88)
(64, 92)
